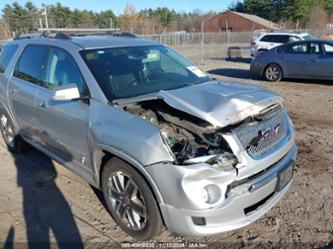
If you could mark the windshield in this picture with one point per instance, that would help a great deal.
(131, 71)
(309, 37)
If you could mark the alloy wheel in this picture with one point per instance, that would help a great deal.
(127, 201)
(273, 73)
(7, 131)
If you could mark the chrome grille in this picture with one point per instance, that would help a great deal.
(260, 137)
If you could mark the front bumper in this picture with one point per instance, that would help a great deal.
(241, 208)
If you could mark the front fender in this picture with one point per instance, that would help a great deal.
(128, 134)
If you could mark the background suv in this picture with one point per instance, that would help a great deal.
(268, 40)
(165, 143)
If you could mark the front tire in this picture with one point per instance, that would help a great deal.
(130, 200)
(14, 142)
(273, 73)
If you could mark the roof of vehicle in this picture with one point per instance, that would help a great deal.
(313, 40)
(285, 33)
(261, 33)
(89, 41)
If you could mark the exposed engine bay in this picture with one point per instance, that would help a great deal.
(187, 136)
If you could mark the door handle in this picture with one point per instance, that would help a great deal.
(313, 60)
(13, 91)
(41, 104)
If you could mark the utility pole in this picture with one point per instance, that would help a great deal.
(45, 16)
(40, 23)
(202, 43)
(111, 23)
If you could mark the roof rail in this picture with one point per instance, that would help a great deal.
(67, 33)
(29, 35)
(52, 30)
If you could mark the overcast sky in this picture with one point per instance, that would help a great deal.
(118, 5)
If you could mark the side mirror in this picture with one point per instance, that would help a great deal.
(66, 93)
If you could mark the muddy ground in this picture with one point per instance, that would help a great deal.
(41, 201)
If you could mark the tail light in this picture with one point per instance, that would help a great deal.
(253, 43)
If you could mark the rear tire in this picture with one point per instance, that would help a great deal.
(273, 73)
(14, 142)
(130, 200)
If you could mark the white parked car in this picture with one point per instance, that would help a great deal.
(267, 40)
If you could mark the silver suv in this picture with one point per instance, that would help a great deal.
(264, 41)
(167, 144)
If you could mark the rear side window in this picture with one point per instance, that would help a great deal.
(276, 38)
(267, 38)
(31, 64)
(281, 38)
(299, 48)
(6, 55)
(281, 49)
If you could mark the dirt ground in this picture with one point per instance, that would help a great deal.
(41, 201)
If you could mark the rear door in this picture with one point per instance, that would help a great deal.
(22, 90)
(64, 124)
(6, 54)
(295, 60)
(267, 42)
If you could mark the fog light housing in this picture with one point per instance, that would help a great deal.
(211, 194)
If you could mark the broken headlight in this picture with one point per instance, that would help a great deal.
(226, 160)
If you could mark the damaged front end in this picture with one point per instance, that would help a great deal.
(216, 138)
(194, 120)
(190, 139)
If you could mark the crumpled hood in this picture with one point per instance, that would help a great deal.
(218, 103)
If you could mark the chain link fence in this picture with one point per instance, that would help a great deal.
(200, 47)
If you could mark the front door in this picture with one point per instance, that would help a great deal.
(64, 124)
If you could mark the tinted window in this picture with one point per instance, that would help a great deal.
(299, 48)
(6, 55)
(61, 69)
(268, 38)
(31, 65)
(328, 48)
(281, 38)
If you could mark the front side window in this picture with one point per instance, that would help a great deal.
(6, 55)
(32, 64)
(132, 71)
(61, 69)
(328, 48)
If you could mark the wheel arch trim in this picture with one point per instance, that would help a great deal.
(102, 150)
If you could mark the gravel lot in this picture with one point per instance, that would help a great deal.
(41, 198)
